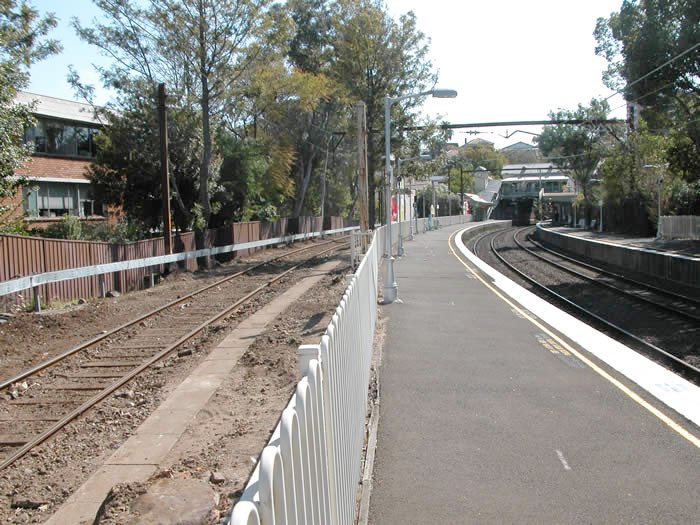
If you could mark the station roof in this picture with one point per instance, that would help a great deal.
(543, 177)
(478, 200)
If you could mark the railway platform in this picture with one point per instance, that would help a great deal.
(497, 407)
(689, 248)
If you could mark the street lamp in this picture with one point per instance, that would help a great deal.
(390, 287)
(399, 197)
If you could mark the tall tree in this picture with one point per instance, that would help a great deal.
(653, 54)
(22, 43)
(200, 48)
(311, 53)
(577, 148)
(377, 56)
(126, 172)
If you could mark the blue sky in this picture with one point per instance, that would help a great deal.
(508, 59)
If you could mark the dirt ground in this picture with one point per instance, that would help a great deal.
(223, 445)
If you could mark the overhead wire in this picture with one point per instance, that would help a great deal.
(679, 55)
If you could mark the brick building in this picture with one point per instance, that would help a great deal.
(63, 149)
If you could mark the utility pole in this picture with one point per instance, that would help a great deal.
(165, 179)
(461, 186)
(362, 152)
(449, 192)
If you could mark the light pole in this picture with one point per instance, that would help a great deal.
(659, 184)
(390, 287)
(399, 198)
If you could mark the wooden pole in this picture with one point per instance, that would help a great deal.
(165, 180)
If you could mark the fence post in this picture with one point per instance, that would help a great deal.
(103, 287)
(37, 299)
(306, 353)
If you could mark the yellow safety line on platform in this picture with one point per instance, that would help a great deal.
(631, 394)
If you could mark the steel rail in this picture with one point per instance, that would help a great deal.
(651, 287)
(691, 372)
(595, 281)
(87, 405)
(82, 346)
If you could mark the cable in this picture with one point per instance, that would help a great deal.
(620, 92)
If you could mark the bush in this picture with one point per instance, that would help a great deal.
(72, 228)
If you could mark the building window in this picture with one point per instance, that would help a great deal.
(56, 199)
(54, 137)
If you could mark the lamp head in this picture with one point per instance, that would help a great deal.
(443, 93)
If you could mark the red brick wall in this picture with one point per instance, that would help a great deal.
(16, 203)
(39, 167)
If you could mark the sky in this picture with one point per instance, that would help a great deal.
(507, 59)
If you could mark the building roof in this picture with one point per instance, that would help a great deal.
(479, 142)
(519, 146)
(58, 108)
(479, 200)
(530, 168)
(534, 178)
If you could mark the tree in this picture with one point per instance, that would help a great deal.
(377, 56)
(630, 191)
(22, 43)
(126, 172)
(578, 148)
(200, 48)
(652, 51)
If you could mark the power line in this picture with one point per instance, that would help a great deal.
(620, 92)
(517, 123)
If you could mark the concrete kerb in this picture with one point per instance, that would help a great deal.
(371, 447)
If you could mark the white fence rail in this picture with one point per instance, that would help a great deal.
(680, 227)
(309, 471)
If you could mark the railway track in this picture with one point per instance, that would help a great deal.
(74, 381)
(657, 322)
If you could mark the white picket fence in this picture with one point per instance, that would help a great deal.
(310, 469)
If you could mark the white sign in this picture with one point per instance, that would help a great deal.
(438, 178)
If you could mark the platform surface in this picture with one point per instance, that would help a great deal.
(490, 415)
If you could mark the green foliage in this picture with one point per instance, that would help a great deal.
(472, 156)
(22, 43)
(127, 170)
(629, 189)
(247, 190)
(200, 49)
(377, 56)
(578, 148)
(653, 58)
(72, 228)
(14, 227)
